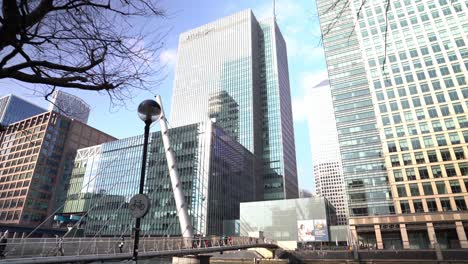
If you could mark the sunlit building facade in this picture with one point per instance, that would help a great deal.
(33, 157)
(216, 174)
(235, 70)
(402, 82)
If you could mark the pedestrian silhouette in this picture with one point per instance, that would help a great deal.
(121, 244)
(60, 246)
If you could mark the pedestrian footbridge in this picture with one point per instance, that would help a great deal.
(51, 250)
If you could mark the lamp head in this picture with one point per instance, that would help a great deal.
(149, 111)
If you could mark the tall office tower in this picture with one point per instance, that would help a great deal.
(33, 155)
(235, 70)
(70, 106)
(14, 109)
(215, 170)
(326, 159)
(399, 88)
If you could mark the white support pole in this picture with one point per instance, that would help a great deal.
(181, 205)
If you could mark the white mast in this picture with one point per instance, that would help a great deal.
(181, 206)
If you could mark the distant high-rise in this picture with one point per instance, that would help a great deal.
(14, 109)
(398, 80)
(326, 159)
(70, 106)
(235, 70)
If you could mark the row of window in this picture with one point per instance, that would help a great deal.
(437, 171)
(402, 144)
(432, 205)
(408, 116)
(413, 189)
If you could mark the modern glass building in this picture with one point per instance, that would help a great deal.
(70, 106)
(216, 172)
(398, 75)
(303, 220)
(14, 109)
(326, 159)
(235, 70)
(33, 159)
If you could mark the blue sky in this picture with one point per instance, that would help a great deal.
(299, 24)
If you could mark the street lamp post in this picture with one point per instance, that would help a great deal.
(148, 111)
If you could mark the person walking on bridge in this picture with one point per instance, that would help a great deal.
(59, 246)
(121, 244)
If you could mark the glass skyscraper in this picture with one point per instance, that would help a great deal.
(216, 173)
(398, 77)
(14, 109)
(235, 70)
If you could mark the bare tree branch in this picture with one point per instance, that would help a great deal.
(83, 44)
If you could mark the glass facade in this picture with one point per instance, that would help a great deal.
(216, 174)
(364, 169)
(235, 70)
(70, 106)
(14, 109)
(280, 220)
(411, 62)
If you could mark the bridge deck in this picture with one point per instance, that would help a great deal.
(101, 249)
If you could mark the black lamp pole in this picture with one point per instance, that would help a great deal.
(142, 184)
(149, 111)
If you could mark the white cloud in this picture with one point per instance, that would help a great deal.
(301, 105)
(168, 57)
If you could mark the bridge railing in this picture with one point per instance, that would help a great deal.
(48, 247)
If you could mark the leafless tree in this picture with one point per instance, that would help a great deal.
(85, 44)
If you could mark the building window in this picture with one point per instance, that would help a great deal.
(445, 153)
(432, 155)
(405, 208)
(436, 126)
(410, 174)
(449, 124)
(432, 112)
(459, 153)
(460, 203)
(419, 156)
(407, 159)
(454, 138)
(401, 190)
(431, 205)
(436, 171)
(441, 141)
(455, 186)
(440, 98)
(397, 174)
(463, 168)
(427, 187)
(395, 161)
(423, 173)
(391, 146)
(403, 145)
(441, 189)
(445, 203)
(415, 143)
(418, 206)
(450, 170)
(428, 142)
(414, 189)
